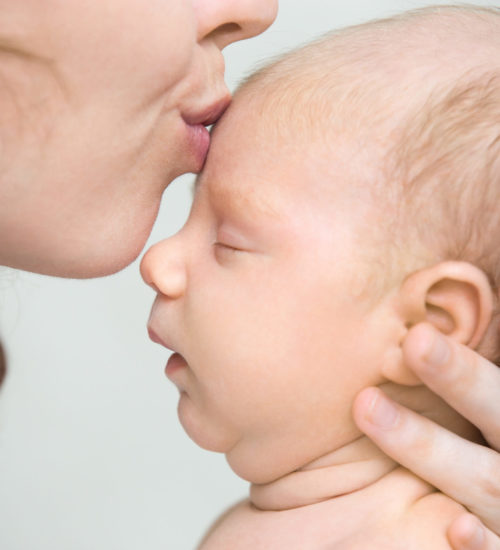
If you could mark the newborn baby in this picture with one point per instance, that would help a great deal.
(349, 194)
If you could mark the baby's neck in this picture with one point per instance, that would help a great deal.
(356, 465)
(350, 468)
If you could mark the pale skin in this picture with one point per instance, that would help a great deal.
(470, 384)
(89, 143)
(460, 525)
(244, 263)
(103, 105)
(319, 525)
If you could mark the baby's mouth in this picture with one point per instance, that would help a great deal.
(155, 338)
(175, 363)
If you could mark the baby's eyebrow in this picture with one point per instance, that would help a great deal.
(241, 201)
(248, 203)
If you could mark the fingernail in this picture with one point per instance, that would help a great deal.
(382, 412)
(439, 351)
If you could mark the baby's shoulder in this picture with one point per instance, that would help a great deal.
(233, 529)
(244, 527)
(423, 524)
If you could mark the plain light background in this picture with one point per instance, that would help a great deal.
(91, 453)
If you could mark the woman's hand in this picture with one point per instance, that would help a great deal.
(467, 472)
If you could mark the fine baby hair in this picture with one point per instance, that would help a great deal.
(426, 115)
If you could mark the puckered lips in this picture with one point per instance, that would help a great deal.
(198, 136)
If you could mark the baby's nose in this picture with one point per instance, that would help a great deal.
(163, 269)
(228, 21)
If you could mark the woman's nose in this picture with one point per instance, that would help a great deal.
(163, 268)
(227, 21)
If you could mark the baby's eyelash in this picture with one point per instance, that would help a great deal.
(227, 247)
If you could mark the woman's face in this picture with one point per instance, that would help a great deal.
(103, 104)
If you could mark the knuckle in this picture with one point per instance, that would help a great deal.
(419, 436)
(462, 370)
(489, 481)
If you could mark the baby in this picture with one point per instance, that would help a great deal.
(351, 191)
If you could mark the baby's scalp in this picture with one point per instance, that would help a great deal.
(417, 102)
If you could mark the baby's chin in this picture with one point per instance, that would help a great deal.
(255, 459)
(202, 429)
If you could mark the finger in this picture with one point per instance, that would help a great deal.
(468, 533)
(466, 381)
(467, 472)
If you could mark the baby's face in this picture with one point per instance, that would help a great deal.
(257, 295)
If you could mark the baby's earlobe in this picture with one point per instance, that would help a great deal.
(395, 370)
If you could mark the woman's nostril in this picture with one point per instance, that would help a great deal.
(225, 30)
(230, 27)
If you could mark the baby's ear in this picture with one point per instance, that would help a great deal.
(455, 297)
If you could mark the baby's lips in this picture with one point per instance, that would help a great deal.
(175, 363)
(155, 338)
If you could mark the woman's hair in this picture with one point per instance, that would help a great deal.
(3, 368)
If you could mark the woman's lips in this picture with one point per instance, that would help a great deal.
(175, 363)
(198, 135)
(207, 115)
(198, 143)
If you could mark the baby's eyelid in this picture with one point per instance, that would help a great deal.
(229, 239)
(228, 246)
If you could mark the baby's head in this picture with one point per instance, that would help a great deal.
(350, 193)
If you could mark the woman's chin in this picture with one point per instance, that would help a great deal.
(90, 266)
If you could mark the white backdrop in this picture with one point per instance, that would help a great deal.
(91, 453)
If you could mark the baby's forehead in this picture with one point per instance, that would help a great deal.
(294, 107)
(336, 135)
(342, 105)
(253, 166)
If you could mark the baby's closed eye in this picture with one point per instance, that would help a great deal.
(226, 251)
